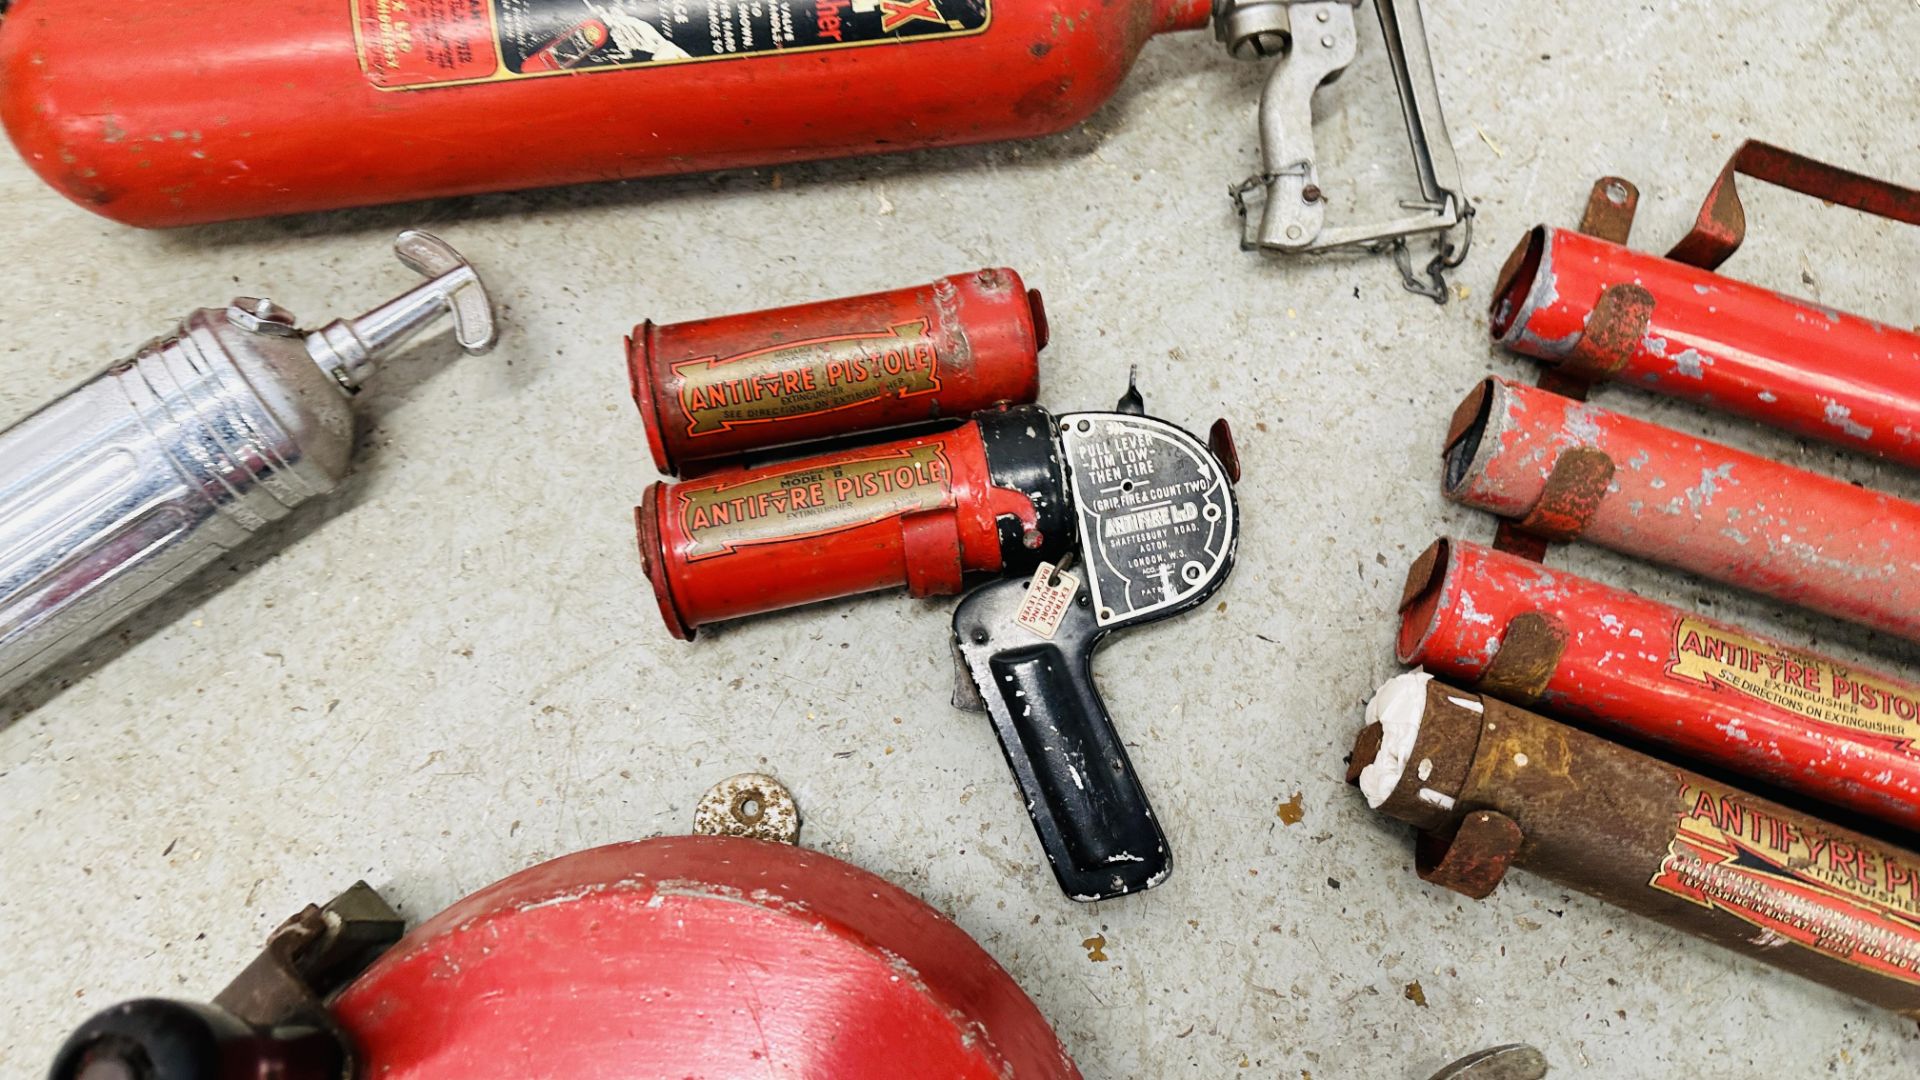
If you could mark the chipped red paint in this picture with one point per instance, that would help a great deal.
(1684, 502)
(142, 123)
(1713, 692)
(724, 386)
(1711, 339)
(694, 956)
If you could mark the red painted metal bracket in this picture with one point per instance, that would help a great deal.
(1722, 224)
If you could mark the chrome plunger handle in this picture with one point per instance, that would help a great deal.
(348, 349)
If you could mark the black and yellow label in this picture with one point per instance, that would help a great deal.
(414, 44)
(1809, 686)
(806, 378)
(1854, 902)
(772, 507)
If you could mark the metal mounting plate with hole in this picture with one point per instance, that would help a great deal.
(750, 805)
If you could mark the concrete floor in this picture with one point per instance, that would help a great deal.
(458, 670)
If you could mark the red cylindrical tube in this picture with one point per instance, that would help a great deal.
(719, 387)
(130, 110)
(1599, 310)
(1567, 469)
(1713, 692)
(919, 512)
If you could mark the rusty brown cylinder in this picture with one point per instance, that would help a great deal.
(1491, 785)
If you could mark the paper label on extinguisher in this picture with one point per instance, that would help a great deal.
(1855, 902)
(806, 378)
(723, 516)
(416, 44)
(1813, 687)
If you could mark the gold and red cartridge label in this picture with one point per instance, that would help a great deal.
(414, 44)
(1854, 901)
(719, 517)
(1808, 686)
(806, 378)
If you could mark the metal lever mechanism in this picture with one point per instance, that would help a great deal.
(1157, 528)
(1315, 41)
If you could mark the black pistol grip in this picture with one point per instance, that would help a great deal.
(1086, 802)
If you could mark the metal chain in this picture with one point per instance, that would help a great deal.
(1445, 258)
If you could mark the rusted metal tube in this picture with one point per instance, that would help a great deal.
(1562, 469)
(1715, 693)
(1492, 785)
(1597, 310)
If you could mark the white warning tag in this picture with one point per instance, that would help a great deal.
(1046, 604)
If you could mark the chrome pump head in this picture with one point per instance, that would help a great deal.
(348, 349)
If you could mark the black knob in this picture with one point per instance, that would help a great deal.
(157, 1039)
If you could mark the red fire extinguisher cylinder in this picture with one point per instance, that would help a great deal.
(920, 513)
(1564, 469)
(1602, 311)
(1718, 694)
(174, 112)
(720, 387)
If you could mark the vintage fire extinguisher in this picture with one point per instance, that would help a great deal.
(1594, 310)
(1715, 693)
(368, 101)
(123, 487)
(921, 511)
(1560, 469)
(716, 389)
(1096, 521)
(1120, 519)
(185, 113)
(1491, 785)
(730, 952)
